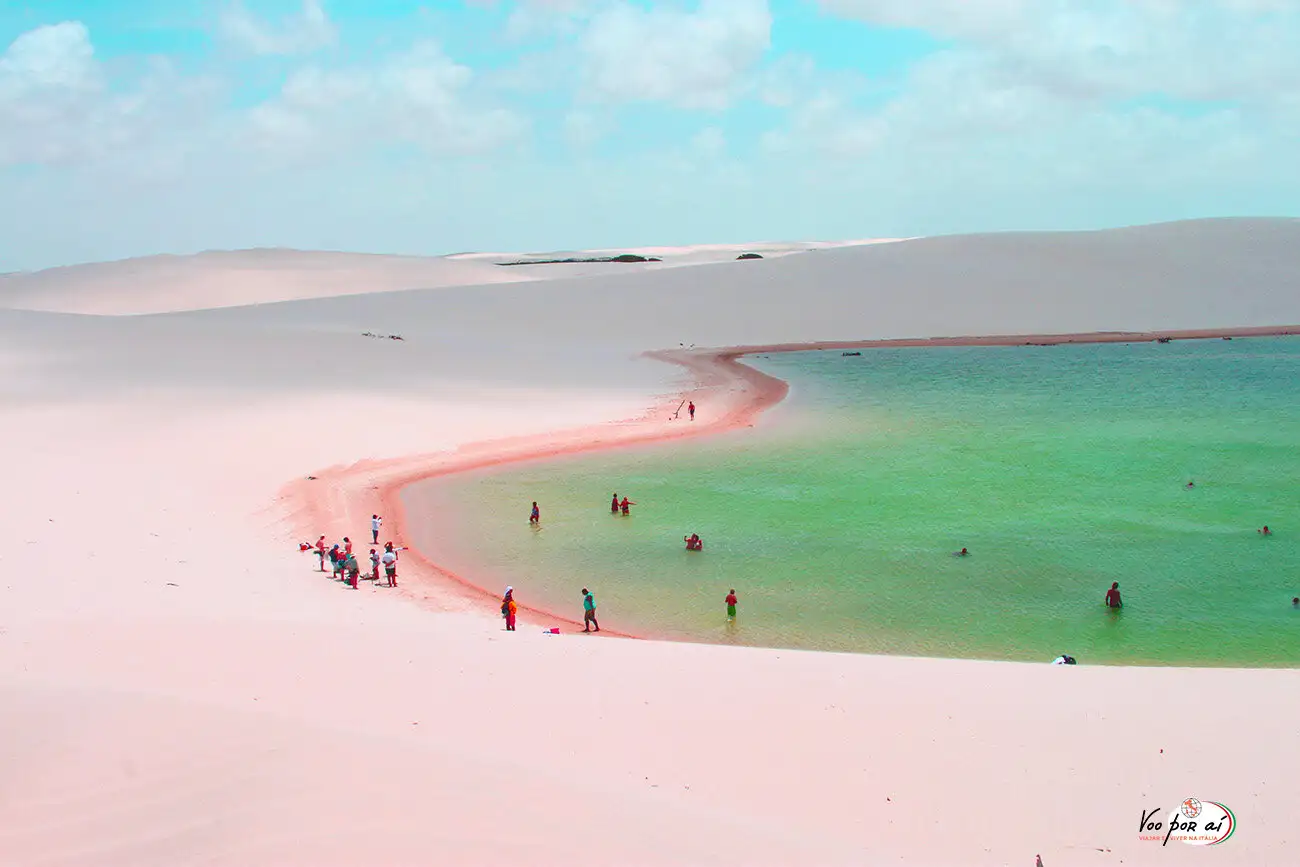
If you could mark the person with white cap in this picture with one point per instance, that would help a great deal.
(509, 609)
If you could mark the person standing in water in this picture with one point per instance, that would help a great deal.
(536, 516)
(731, 604)
(589, 611)
(691, 410)
(625, 506)
(1112, 596)
(613, 505)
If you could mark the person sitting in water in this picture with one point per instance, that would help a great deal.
(694, 542)
(1112, 596)
(1264, 531)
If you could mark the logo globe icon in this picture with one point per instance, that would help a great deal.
(1191, 808)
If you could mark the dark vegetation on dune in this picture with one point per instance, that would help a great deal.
(624, 257)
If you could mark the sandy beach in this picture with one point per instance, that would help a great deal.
(182, 686)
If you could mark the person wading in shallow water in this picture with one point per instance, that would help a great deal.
(1112, 596)
(613, 505)
(731, 604)
(535, 517)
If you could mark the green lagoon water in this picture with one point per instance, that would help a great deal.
(1061, 468)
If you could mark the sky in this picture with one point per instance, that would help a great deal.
(135, 127)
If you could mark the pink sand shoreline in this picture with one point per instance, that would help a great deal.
(743, 392)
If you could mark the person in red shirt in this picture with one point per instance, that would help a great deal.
(1112, 596)
(509, 609)
(613, 505)
(624, 506)
(691, 410)
(731, 604)
(320, 552)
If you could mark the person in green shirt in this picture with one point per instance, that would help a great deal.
(589, 611)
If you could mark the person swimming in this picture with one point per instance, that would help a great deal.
(1191, 484)
(1264, 531)
(1295, 601)
(962, 553)
(694, 542)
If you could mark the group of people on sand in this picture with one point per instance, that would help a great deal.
(344, 563)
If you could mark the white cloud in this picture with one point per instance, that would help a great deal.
(1198, 50)
(58, 108)
(709, 142)
(1059, 83)
(307, 31)
(691, 59)
(541, 18)
(583, 129)
(419, 97)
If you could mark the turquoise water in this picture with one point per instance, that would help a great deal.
(1061, 468)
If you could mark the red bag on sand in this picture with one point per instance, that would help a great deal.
(554, 630)
(303, 546)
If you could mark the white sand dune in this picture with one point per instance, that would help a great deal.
(222, 279)
(161, 284)
(179, 686)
